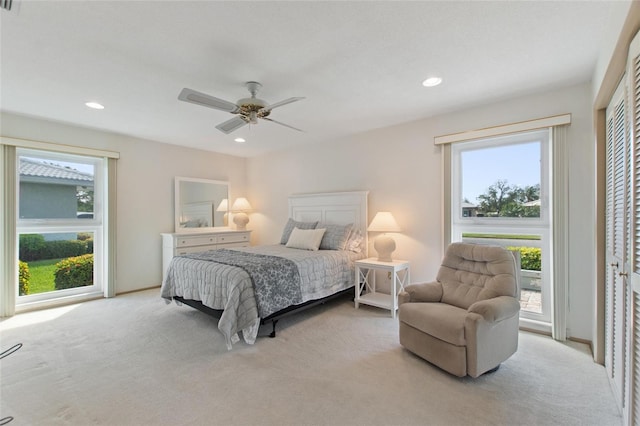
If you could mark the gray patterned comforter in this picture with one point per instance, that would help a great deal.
(230, 288)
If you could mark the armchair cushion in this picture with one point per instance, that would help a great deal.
(445, 322)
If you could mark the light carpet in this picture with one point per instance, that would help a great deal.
(132, 360)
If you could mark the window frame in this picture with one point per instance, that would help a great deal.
(494, 142)
(94, 225)
(541, 226)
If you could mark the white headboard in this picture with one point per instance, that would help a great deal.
(338, 208)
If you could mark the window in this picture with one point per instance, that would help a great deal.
(60, 202)
(500, 192)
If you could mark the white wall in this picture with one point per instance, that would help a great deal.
(145, 188)
(617, 16)
(401, 168)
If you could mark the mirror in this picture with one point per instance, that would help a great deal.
(198, 204)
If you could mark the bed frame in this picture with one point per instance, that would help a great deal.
(330, 207)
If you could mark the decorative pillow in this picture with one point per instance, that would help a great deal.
(335, 237)
(305, 239)
(354, 243)
(295, 224)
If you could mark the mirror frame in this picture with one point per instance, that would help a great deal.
(178, 180)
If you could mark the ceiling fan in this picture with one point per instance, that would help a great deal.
(249, 110)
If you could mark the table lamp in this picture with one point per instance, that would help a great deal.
(239, 208)
(224, 207)
(384, 244)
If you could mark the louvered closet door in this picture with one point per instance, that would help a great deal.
(631, 272)
(616, 291)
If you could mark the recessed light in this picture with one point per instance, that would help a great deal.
(94, 105)
(432, 81)
(239, 140)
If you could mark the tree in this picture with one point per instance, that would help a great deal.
(493, 202)
(504, 200)
(84, 194)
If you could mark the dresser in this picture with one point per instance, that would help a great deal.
(177, 244)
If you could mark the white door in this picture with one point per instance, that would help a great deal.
(622, 321)
(616, 229)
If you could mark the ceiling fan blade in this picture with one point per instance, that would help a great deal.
(198, 98)
(279, 104)
(232, 125)
(282, 124)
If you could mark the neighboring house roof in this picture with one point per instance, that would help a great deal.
(466, 205)
(533, 203)
(40, 172)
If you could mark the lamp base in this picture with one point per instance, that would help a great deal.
(241, 219)
(384, 245)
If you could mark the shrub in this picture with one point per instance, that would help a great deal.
(34, 247)
(23, 278)
(31, 246)
(74, 272)
(64, 248)
(530, 257)
(89, 243)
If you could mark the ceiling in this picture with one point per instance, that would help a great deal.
(359, 65)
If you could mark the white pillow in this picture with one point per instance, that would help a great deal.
(305, 239)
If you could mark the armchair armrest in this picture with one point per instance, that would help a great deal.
(426, 292)
(496, 309)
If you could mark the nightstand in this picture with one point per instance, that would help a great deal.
(366, 283)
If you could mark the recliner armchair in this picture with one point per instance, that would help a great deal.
(465, 322)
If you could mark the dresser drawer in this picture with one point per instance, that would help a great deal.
(201, 240)
(226, 239)
(179, 251)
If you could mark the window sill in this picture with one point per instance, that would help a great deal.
(57, 301)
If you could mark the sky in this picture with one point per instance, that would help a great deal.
(517, 164)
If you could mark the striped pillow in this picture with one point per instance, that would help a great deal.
(335, 236)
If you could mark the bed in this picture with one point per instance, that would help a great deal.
(248, 286)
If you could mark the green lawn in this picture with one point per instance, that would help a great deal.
(42, 275)
(501, 236)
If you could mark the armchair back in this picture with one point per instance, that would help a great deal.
(474, 272)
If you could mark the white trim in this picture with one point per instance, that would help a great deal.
(540, 123)
(9, 261)
(58, 301)
(109, 227)
(48, 146)
(527, 324)
(560, 233)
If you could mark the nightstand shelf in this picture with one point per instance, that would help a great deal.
(365, 289)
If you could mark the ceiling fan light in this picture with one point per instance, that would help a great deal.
(253, 117)
(432, 81)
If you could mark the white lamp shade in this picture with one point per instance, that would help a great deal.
(384, 222)
(224, 206)
(241, 205)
